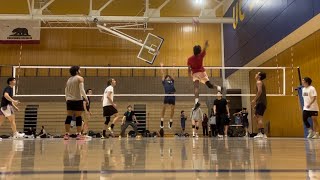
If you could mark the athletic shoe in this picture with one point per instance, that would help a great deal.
(316, 136)
(169, 125)
(220, 136)
(225, 136)
(194, 135)
(102, 137)
(196, 106)
(18, 135)
(111, 131)
(161, 127)
(310, 134)
(259, 135)
(265, 136)
(87, 137)
(197, 136)
(219, 88)
(79, 137)
(246, 135)
(0, 138)
(66, 137)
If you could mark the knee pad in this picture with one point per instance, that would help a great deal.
(208, 83)
(193, 126)
(79, 121)
(197, 128)
(68, 120)
(108, 118)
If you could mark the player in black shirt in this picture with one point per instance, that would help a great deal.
(8, 105)
(221, 111)
(87, 114)
(127, 121)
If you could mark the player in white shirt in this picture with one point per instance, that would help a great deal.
(109, 107)
(310, 107)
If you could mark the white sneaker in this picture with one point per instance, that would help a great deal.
(169, 125)
(87, 137)
(225, 136)
(265, 136)
(197, 136)
(220, 136)
(316, 136)
(0, 138)
(219, 88)
(111, 131)
(259, 135)
(18, 135)
(310, 134)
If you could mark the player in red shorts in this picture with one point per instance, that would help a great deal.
(195, 65)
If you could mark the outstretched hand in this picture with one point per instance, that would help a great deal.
(206, 43)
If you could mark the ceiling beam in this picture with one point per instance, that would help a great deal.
(104, 6)
(46, 5)
(163, 5)
(84, 18)
(30, 7)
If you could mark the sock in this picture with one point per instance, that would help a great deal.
(104, 133)
(170, 122)
(196, 100)
(112, 125)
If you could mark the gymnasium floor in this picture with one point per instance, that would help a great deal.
(156, 158)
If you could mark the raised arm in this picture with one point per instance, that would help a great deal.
(206, 45)
(162, 71)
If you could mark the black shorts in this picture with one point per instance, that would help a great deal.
(109, 111)
(169, 100)
(75, 105)
(307, 114)
(226, 120)
(260, 109)
(245, 123)
(222, 118)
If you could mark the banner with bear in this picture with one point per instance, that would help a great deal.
(17, 32)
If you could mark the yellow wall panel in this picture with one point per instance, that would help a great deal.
(92, 48)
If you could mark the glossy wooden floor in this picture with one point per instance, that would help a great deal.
(156, 158)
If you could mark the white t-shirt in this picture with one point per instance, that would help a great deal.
(106, 101)
(307, 94)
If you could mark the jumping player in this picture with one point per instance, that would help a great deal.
(195, 65)
(260, 103)
(74, 93)
(169, 101)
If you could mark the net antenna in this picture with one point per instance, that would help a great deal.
(149, 48)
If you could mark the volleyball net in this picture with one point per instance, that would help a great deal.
(49, 81)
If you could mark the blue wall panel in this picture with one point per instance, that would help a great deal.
(265, 24)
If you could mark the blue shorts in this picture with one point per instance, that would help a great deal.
(171, 100)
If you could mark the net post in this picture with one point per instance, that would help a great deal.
(14, 73)
(284, 80)
(299, 75)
